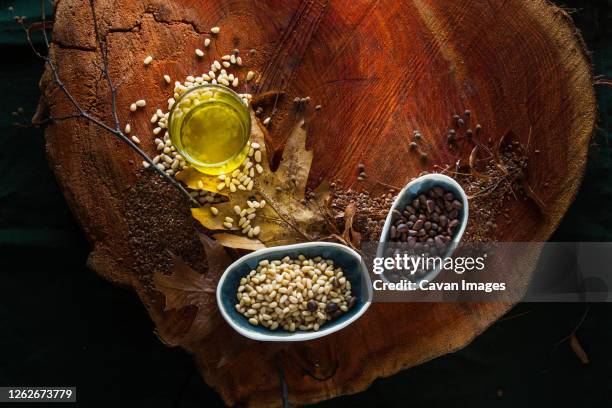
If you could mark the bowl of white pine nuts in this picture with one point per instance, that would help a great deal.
(294, 292)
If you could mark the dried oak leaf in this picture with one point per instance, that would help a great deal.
(288, 216)
(238, 241)
(199, 181)
(472, 164)
(578, 350)
(349, 235)
(185, 287)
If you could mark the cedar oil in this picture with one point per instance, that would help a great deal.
(210, 126)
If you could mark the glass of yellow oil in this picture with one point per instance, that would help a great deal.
(209, 126)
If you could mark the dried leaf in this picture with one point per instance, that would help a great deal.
(238, 241)
(349, 235)
(265, 97)
(497, 154)
(288, 217)
(185, 287)
(472, 164)
(578, 350)
(199, 181)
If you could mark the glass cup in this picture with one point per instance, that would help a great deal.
(209, 125)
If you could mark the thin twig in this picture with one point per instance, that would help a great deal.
(516, 316)
(52, 119)
(270, 202)
(387, 185)
(575, 330)
(283, 381)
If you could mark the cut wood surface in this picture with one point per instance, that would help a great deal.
(380, 69)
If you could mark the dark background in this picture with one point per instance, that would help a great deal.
(60, 324)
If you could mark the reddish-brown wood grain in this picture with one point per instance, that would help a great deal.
(380, 69)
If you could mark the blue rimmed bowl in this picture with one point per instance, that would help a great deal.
(350, 261)
(412, 190)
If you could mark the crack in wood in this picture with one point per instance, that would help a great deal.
(292, 46)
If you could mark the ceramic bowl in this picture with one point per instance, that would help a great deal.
(350, 261)
(412, 190)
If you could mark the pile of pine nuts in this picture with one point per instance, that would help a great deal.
(294, 294)
(243, 179)
(245, 216)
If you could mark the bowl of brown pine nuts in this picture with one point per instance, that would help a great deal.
(294, 292)
(428, 218)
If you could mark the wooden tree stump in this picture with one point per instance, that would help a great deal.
(380, 69)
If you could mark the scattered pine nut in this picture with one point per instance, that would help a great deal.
(214, 210)
(250, 75)
(133, 107)
(136, 139)
(266, 121)
(148, 60)
(141, 103)
(167, 78)
(128, 129)
(199, 52)
(215, 30)
(207, 42)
